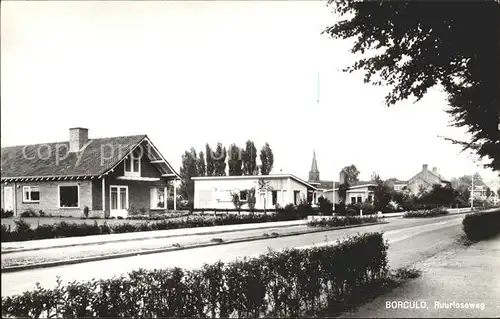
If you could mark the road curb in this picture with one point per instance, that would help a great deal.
(161, 250)
(10, 251)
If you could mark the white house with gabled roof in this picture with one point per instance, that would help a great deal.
(271, 191)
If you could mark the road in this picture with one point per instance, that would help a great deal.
(411, 240)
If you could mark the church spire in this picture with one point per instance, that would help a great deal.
(314, 172)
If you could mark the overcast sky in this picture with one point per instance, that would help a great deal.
(188, 73)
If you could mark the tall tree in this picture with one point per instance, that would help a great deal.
(220, 160)
(200, 164)
(211, 163)
(412, 46)
(488, 192)
(352, 173)
(266, 159)
(249, 158)
(234, 161)
(188, 169)
(382, 193)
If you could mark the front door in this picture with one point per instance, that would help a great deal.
(8, 198)
(119, 201)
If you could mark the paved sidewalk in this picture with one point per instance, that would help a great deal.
(91, 240)
(449, 281)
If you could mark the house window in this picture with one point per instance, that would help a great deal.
(243, 195)
(158, 198)
(370, 198)
(132, 164)
(275, 197)
(360, 199)
(296, 197)
(31, 194)
(353, 200)
(69, 196)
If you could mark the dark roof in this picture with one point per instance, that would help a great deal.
(326, 184)
(441, 177)
(53, 159)
(396, 181)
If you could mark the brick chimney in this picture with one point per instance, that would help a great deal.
(435, 170)
(78, 137)
(425, 167)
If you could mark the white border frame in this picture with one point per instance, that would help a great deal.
(59, 196)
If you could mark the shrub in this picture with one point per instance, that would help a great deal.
(86, 211)
(289, 212)
(53, 231)
(29, 213)
(351, 211)
(289, 283)
(342, 221)
(438, 211)
(481, 225)
(339, 209)
(6, 213)
(6, 233)
(325, 206)
(23, 230)
(368, 208)
(304, 210)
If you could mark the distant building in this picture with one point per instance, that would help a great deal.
(425, 179)
(271, 191)
(397, 185)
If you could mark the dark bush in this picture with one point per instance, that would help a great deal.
(6, 233)
(325, 206)
(368, 208)
(41, 213)
(23, 230)
(438, 211)
(289, 283)
(339, 209)
(64, 229)
(304, 210)
(29, 213)
(481, 225)
(86, 212)
(351, 211)
(342, 221)
(6, 213)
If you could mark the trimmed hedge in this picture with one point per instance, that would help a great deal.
(438, 211)
(6, 213)
(290, 283)
(342, 221)
(481, 225)
(23, 232)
